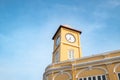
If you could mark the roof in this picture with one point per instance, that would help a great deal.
(67, 27)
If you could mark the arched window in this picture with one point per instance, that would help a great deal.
(62, 76)
(86, 74)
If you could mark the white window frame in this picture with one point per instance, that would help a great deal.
(58, 41)
(70, 54)
(57, 55)
(118, 75)
(96, 77)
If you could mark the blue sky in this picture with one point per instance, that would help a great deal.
(27, 26)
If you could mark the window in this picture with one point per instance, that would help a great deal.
(58, 41)
(99, 77)
(57, 57)
(85, 79)
(89, 78)
(71, 54)
(119, 76)
(103, 77)
(94, 78)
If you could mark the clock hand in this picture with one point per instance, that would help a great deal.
(69, 38)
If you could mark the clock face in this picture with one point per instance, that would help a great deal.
(58, 41)
(70, 37)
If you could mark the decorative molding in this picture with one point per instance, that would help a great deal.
(108, 63)
(114, 70)
(55, 50)
(81, 72)
(92, 76)
(99, 62)
(45, 77)
(101, 68)
(85, 64)
(102, 54)
(91, 68)
(67, 43)
(59, 68)
(62, 72)
(116, 66)
(117, 76)
(59, 63)
(105, 61)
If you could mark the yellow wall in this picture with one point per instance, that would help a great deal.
(76, 34)
(92, 72)
(65, 45)
(64, 52)
(62, 76)
(110, 69)
(80, 67)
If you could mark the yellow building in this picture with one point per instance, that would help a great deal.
(68, 63)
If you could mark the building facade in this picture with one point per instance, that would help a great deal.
(68, 63)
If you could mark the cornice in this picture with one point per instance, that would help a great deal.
(101, 54)
(52, 70)
(95, 62)
(56, 48)
(70, 44)
(99, 62)
(64, 26)
(85, 64)
(58, 63)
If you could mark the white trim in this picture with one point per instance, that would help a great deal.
(96, 77)
(77, 46)
(85, 64)
(118, 76)
(91, 68)
(58, 68)
(62, 72)
(81, 72)
(101, 68)
(57, 57)
(114, 70)
(45, 77)
(70, 54)
(57, 41)
(102, 54)
(98, 61)
(116, 66)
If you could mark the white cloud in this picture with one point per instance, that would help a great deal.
(109, 4)
(103, 11)
(113, 3)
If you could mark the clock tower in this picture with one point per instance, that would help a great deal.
(66, 44)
